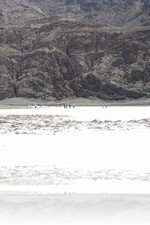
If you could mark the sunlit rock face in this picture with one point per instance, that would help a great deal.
(56, 49)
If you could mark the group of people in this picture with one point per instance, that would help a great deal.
(68, 105)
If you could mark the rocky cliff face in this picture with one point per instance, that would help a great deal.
(55, 49)
(113, 12)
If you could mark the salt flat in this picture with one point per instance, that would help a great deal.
(55, 145)
(75, 165)
(74, 209)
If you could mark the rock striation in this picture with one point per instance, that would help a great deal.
(56, 49)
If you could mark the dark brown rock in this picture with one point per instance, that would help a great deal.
(43, 55)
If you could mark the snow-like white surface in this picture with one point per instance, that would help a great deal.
(51, 158)
(78, 150)
(83, 186)
(74, 209)
(86, 113)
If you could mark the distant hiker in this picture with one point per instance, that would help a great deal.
(65, 105)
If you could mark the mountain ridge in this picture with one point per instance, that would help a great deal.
(112, 12)
(53, 56)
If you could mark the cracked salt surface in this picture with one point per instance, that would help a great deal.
(57, 146)
(50, 120)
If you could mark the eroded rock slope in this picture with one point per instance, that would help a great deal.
(54, 50)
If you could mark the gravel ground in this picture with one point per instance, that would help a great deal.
(21, 102)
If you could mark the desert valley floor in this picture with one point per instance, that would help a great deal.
(75, 165)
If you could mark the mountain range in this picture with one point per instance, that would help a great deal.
(52, 49)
